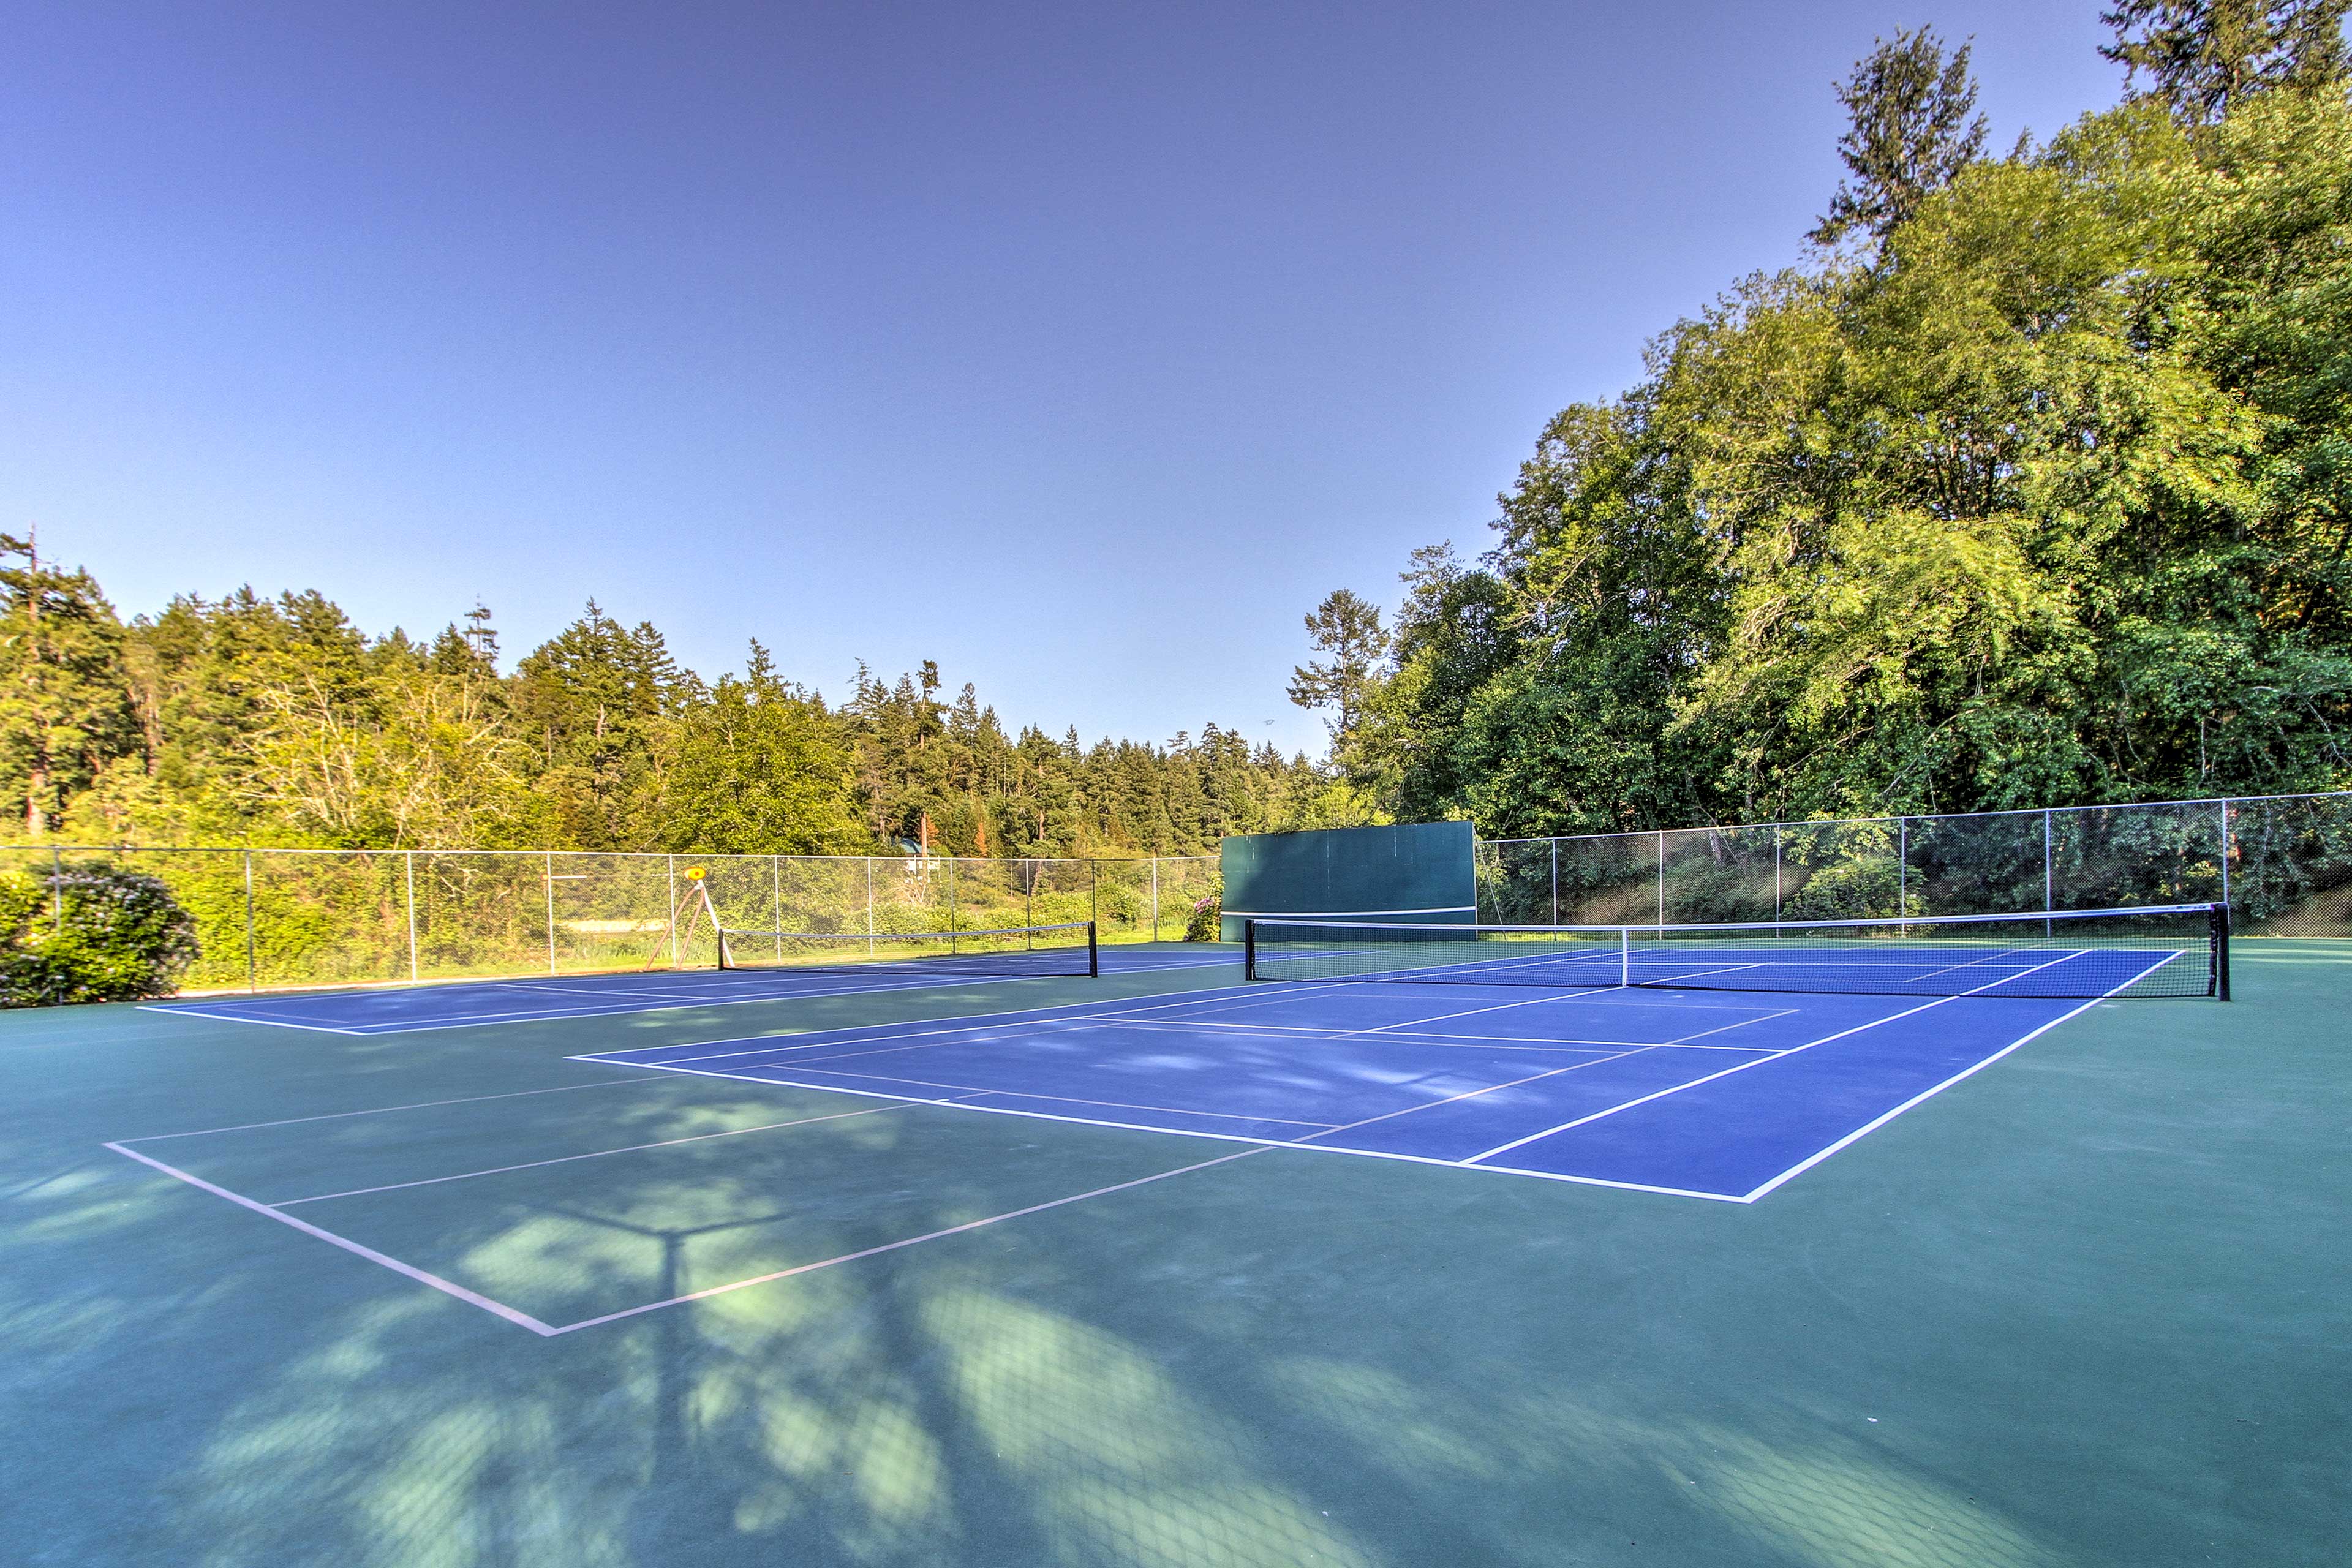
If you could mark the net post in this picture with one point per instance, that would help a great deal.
(2221, 917)
(1093, 952)
(1624, 957)
(1249, 950)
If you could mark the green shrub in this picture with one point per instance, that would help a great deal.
(1200, 925)
(90, 933)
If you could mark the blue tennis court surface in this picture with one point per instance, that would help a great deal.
(2083, 955)
(1705, 1095)
(392, 1010)
(1889, 970)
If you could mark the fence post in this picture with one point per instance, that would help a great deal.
(550, 912)
(954, 919)
(671, 861)
(2049, 874)
(2225, 855)
(57, 887)
(409, 857)
(1776, 871)
(869, 906)
(1093, 914)
(1901, 867)
(776, 886)
(252, 975)
(1662, 879)
(1555, 881)
(1155, 898)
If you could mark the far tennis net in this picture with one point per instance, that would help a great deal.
(2175, 950)
(1050, 950)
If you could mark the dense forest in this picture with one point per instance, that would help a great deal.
(2031, 485)
(248, 719)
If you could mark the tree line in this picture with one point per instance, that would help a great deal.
(248, 719)
(2031, 485)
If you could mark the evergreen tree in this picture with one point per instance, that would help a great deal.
(65, 712)
(1347, 628)
(1911, 132)
(2202, 57)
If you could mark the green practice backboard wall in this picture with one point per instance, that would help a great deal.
(1422, 872)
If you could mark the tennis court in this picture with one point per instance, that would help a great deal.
(1459, 1257)
(399, 1009)
(1696, 1096)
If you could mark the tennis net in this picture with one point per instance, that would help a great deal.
(1049, 949)
(2175, 950)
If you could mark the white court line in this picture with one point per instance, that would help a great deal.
(487, 1020)
(536, 1326)
(484, 1020)
(381, 1110)
(1189, 1006)
(1261, 1147)
(974, 1088)
(1802, 1166)
(1726, 1029)
(568, 1159)
(1989, 958)
(446, 1287)
(1610, 996)
(887, 1045)
(964, 1023)
(1606, 958)
(179, 1011)
(626, 993)
(1567, 994)
(1279, 1033)
(1194, 1133)
(1489, 1089)
(1304, 1032)
(1689, 974)
(893, 1246)
(1739, 1067)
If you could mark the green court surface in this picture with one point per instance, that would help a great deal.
(2088, 1306)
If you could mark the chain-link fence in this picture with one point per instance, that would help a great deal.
(301, 917)
(286, 917)
(2283, 863)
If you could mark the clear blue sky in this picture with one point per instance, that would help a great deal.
(1081, 347)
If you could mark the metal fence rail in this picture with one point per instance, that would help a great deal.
(301, 917)
(2283, 863)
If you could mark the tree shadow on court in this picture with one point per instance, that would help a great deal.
(1291, 1359)
(1143, 1388)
